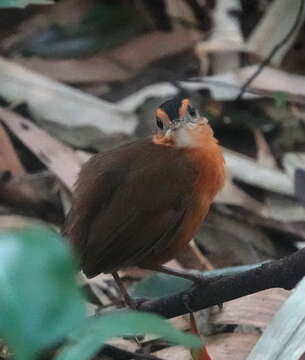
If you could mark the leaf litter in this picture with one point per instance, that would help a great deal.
(53, 125)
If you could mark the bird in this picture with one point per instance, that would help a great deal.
(138, 205)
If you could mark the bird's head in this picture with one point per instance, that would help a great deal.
(176, 113)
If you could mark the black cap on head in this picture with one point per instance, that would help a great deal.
(172, 106)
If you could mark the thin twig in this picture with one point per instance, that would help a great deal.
(276, 48)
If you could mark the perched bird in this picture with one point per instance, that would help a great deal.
(141, 203)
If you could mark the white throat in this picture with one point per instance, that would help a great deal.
(184, 138)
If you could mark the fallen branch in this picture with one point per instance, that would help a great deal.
(284, 273)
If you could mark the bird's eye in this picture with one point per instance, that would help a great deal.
(160, 123)
(191, 110)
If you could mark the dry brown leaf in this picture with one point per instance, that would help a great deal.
(231, 346)
(14, 194)
(60, 13)
(228, 241)
(94, 69)
(118, 64)
(57, 157)
(9, 159)
(255, 310)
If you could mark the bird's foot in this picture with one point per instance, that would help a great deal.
(136, 303)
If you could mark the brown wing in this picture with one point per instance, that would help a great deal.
(143, 193)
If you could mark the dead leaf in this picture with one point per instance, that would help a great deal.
(231, 194)
(9, 159)
(53, 101)
(269, 32)
(249, 171)
(228, 242)
(231, 346)
(285, 209)
(273, 80)
(226, 40)
(116, 65)
(293, 161)
(18, 193)
(264, 156)
(284, 337)
(175, 352)
(57, 157)
(256, 310)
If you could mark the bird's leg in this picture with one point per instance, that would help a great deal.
(195, 278)
(129, 301)
(127, 298)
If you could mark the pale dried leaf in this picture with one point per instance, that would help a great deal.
(293, 161)
(226, 40)
(285, 210)
(124, 344)
(232, 346)
(273, 80)
(270, 31)
(57, 102)
(284, 337)
(175, 352)
(256, 310)
(249, 171)
(83, 155)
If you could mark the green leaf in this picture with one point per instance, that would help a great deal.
(39, 299)
(87, 341)
(160, 285)
(284, 337)
(23, 3)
